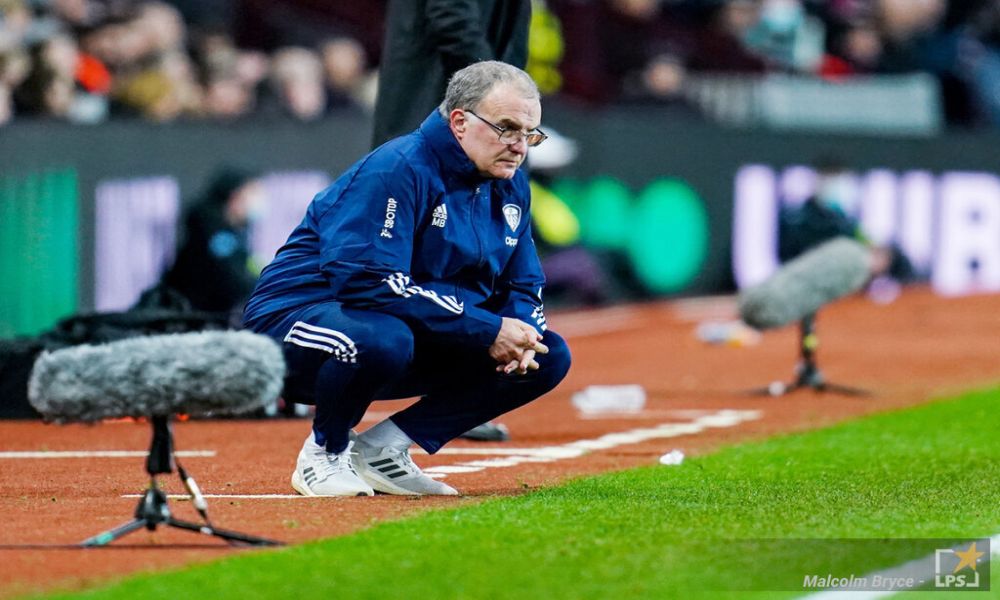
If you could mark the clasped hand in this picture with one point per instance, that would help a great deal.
(515, 348)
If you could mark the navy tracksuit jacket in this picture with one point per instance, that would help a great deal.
(394, 285)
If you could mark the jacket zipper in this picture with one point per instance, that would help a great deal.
(472, 217)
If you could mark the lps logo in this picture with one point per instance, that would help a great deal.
(390, 218)
(952, 567)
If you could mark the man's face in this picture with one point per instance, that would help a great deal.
(506, 107)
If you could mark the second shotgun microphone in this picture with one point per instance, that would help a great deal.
(804, 285)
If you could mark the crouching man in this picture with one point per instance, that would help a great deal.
(415, 274)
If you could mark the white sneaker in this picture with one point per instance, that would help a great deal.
(392, 471)
(321, 473)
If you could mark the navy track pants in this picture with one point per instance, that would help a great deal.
(341, 359)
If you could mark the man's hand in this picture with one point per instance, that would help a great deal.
(515, 347)
(527, 363)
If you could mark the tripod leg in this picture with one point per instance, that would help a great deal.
(102, 539)
(229, 536)
(807, 372)
(844, 390)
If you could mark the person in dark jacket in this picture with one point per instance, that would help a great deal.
(415, 273)
(426, 41)
(214, 271)
(824, 216)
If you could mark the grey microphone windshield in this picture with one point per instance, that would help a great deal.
(199, 374)
(805, 284)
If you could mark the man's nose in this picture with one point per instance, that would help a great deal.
(520, 146)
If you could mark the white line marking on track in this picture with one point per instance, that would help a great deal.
(233, 496)
(102, 454)
(624, 415)
(510, 457)
(722, 418)
(914, 568)
(549, 452)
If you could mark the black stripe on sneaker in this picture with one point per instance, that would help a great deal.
(397, 474)
(379, 463)
(388, 468)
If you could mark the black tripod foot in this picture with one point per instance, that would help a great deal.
(779, 388)
(153, 511)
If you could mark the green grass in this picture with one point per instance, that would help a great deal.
(661, 532)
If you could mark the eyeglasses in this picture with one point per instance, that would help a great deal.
(513, 136)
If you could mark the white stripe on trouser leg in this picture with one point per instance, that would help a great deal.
(339, 352)
(329, 332)
(334, 342)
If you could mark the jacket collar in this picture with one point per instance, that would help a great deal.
(454, 161)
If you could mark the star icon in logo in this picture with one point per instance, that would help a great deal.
(968, 558)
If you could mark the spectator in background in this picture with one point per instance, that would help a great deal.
(15, 23)
(230, 76)
(854, 47)
(346, 74)
(296, 83)
(272, 24)
(719, 44)
(640, 45)
(62, 82)
(214, 270)
(788, 36)
(977, 57)
(49, 87)
(825, 216)
(611, 44)
(426, 41)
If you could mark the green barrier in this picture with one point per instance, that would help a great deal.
(569, 191)
(669, 236)
(38, 251)
(603, 210)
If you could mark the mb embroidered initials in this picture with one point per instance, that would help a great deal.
(440, 216)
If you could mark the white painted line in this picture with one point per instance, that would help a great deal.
(510, 457)
(545, 452)
(722, 418)
(232, 496)
(637, 415)
(102, 454)
(445, 469)
(908, 569)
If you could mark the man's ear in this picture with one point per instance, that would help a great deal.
(458, 122)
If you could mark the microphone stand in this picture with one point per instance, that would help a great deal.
(807, 373)
(153, 510)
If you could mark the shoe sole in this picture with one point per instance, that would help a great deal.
(387, 487)
(299, 486)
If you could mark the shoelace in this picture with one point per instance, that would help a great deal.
(335, 463)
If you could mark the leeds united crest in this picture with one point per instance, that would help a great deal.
(512, 213)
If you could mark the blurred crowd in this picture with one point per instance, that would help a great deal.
(86, 61)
